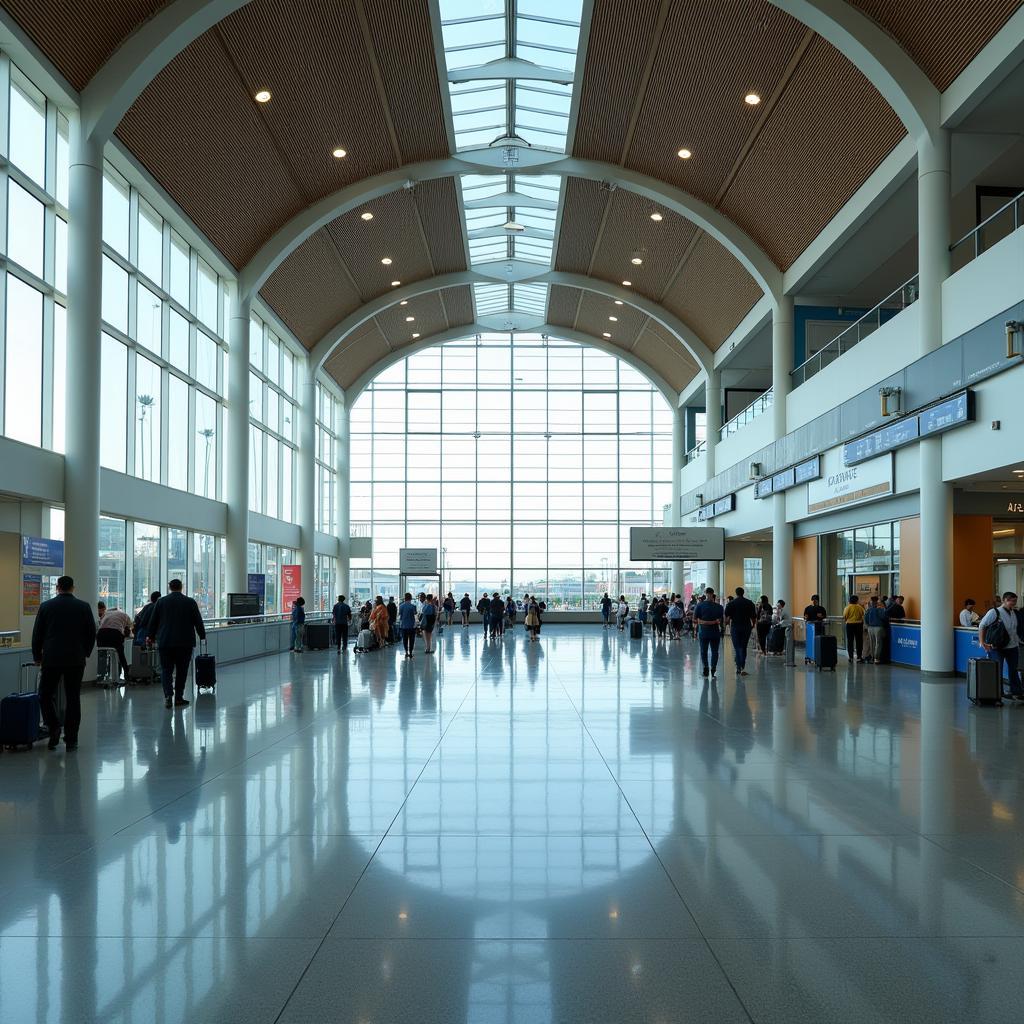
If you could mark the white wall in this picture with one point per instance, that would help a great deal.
(129, 498)
(984, 288)
(264, 530)
(31, 472)
(740, 446)
(693, 475)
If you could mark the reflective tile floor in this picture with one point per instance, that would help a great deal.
(571, 831)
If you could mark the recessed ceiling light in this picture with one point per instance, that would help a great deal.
(618, 302)
(626, 284)
(684, 154)
(636, 261)
(367, 215)
(395, 284)
(751, 99)
(409, 319)
(606, 334)
(656, 216)
(614, 319)
(404, 302)
(338, 153)
(415, 335)
(263, 96)
(386, 261)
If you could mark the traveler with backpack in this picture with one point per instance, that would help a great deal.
(1000, 632)
(449, 609)
(428, 618)
(741, 617)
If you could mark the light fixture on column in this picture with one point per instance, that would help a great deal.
(890, 397)
(755, 471)
(1013, 333)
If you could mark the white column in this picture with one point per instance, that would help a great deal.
(782, 552)
(712, 429)
(678, 454)
(342, 502)
(236, 448)
(85, 286)
(306, 477)
(936, 496)
(782, 531)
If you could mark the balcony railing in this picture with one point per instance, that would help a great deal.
(758, 406)
(695, 452)
(853, 335)
(992, 229)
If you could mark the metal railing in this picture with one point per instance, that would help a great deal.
(992, 229)
(695, 452)
(853, 335)
(758, 406)
(270, 617)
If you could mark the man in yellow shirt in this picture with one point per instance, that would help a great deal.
(853, 616)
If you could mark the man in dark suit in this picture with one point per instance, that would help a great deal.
(62, 639)
(174, 624)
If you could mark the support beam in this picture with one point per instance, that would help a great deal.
(782, 363)
(306, 476)
(712, 419)
(82, 460)
(343, 504)
(678, 446)
(933, 230)
(236, 448)
(782, 552)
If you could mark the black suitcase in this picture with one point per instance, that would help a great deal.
(318, 635)
(983, 683)
(777, 640)
(206, 669)
(826, 652)
(636, 630)
(19, 717)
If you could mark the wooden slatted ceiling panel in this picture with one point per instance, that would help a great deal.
(593, 314)
(713, 292)
(942, 36)
(310, 291)
(666, 354)
(438, 205)
(429, 314)
(621, 35)
(563, 305)
(582, 213)
(205, 142)
(79, 36)
(458, 304)
(828, 132)
(404, 47)
(361, 349)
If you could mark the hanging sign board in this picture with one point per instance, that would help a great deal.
(417, 561)
(41, 552)
(676, 544)
(291, 585)
(842, 485)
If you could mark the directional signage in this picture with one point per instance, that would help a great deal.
(946, 415)
(784, 480)
(676, 544)
(42, 552)
(763, 487)
(808, 470)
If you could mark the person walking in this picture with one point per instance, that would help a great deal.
(764, 623)
(510, 612)
(483, 606)
(606, 608)
(815, 612)
(676, 617)
(642, 609)
(342, 615)
(782, 617)
(853, 616)
(175, 623)
(874, 620)
(465, 606)
(63, 637)
(298, 624)
(449, 608)
(622, 613)
(114, 628)
(709, 616)
(532, 620)
(392, 609)
(1000, 632)
(659, 617)
(428, 619)
(497, 616)
(379, 621)
(140, 627)
(407, 624)
(741, 618)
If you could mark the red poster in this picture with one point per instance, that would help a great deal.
(291, 585)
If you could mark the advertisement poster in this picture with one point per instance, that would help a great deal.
(291, 585)
(42, 552)
(31, 593)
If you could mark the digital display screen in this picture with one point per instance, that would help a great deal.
(763, 488)
(784, 480)
(809, 470)
(948, 414)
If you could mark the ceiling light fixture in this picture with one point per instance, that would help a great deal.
(415, 335)
(404, 302)
(605, 334)
(338, 153)
(513, 225)
(263, 96)
(618, 302)
(614, 319)
(636, 261)
(386, 261)
(366, 216)
(409, 319)
(751, 99)
(656, 216)
(684, 154)
(626, 284)
(395, 284)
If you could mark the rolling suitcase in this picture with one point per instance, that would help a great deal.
(108, 668)
(983, 683)
(145, 665)
(19, 717)
(636, 629)
(206, 669)
(777, 640)
(826, 652)
(318, 635)
(364, 642)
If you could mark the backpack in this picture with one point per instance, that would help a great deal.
(996, 633)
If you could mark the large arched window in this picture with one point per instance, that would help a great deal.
(523, 459)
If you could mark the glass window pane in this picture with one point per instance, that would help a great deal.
(151, 243)
(286, 483)
(60, 278)
(177, 353)
(27, 147)
(256, 343)
(113, 408)
(177, 557)
(147, 419)
(180, 274)
(115, 295)
(203, 583)
(272, 473)
(177, 453)
(206, 446)
(207, 354)
(115, 211)
(111, 573)
(25, 228)
(206, 299)
(60, 376)
(145, 565)
(273, 367)
(147, 323)
(23, 373)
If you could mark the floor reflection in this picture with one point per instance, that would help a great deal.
(582, 829)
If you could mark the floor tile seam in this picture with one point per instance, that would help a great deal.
(369, 861)
(654, 853)
(965, 859)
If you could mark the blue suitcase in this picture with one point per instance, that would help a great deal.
(19, 718)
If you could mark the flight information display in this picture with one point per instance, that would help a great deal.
(946, 415)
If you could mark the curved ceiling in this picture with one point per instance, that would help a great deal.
(654, 76)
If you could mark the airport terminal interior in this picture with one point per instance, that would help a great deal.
(572, 312)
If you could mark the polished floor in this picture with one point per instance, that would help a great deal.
(576, 830)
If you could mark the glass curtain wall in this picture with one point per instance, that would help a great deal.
(33, 262)
(327, 407)
(268, 559)
(523, 460)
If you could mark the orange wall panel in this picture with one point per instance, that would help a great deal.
(805, 571)
(910, 566)
(972, 561)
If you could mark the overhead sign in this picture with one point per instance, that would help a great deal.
(952, 413)
(784, 480)
(841, 485)
(676, 544)
(801, 473)
(417, 561)
(809, 469)
(763, 488)
(42, 552)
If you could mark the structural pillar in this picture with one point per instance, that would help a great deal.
(782, 530)
(342, 503)
(306, 477)
(936, 495)
(84, 364)
(712, 430)
(678, 454)
(236, 449)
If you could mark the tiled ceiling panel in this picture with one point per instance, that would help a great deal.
(458, 305)
(803, 167)
(79, 36)
(707, 60)
(361, 349)
(429, 319)
(943, 36)
(712, 293)
(310, 291)
(583, 210)
(208, 145)
(666, 355)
